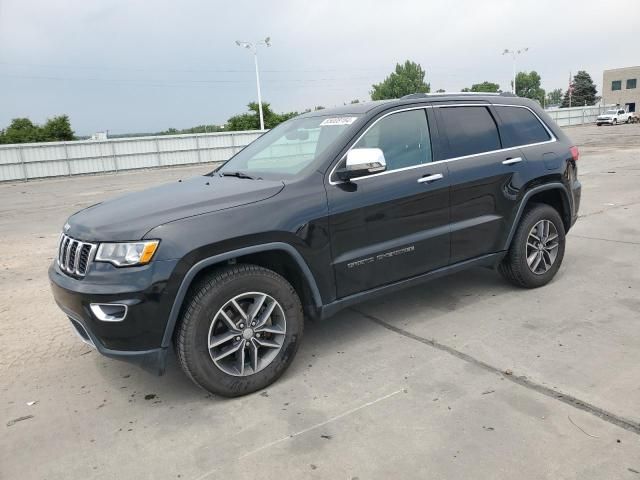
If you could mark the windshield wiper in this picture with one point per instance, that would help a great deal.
(237, 175)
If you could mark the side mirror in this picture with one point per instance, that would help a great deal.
(362, 161)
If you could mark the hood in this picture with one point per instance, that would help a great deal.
(130, 216)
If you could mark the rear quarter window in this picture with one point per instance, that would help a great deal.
(520, 127)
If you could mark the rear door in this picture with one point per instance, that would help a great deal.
(392, 225)
(522, 130)
(484, 179)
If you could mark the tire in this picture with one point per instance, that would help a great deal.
(614, 121)
(202, 320)
(515, 267)
(599, 124)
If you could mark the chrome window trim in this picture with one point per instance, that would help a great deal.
(424, 107)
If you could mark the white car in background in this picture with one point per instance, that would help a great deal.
(613, 117)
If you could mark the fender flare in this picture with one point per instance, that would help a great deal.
(525, 199)
(206, 262)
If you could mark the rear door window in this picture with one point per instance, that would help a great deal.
(520, 127)
(469, 130)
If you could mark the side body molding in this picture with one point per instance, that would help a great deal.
(527, 196)
(195, 269)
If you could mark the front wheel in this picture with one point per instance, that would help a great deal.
(614, 122)
(240, 330)
(537, 248)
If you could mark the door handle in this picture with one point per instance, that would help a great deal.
(431, 178)
(511, 161)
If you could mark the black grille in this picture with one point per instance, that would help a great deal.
(74, 256)
(84, 258)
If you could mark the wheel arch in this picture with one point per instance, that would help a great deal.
(554, 194)
(278, 256)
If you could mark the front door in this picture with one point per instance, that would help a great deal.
(391, 225)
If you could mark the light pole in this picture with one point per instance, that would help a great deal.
(254, 48)
(513, 54)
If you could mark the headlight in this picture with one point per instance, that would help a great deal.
(127, 254)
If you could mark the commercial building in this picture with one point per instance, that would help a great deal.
(620, 86)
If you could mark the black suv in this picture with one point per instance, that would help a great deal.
(327, 209)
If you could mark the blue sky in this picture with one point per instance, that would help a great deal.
(133, 66)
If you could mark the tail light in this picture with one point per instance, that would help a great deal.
(575, 153)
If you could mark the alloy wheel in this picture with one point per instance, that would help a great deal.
(542, 247)
(247, 333)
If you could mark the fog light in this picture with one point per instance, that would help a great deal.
(109, 312)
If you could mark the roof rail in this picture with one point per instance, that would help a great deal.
(444, 94)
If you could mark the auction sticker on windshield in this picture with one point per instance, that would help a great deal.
(338, 121)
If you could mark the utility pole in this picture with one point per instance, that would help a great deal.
(513, 54)
(254, 48)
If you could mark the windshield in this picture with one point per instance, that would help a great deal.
(290, 147)
(611, 112)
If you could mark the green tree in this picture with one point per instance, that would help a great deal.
(440, 90)
(584, 91)
(554, 97)
(21, 130)
(406, 79)
(488, 87)
(528, 86)
(251, 120)
(57, 129)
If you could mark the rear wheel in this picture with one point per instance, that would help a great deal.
(537, 248)
(240, 330)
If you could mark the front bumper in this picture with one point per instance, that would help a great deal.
(136, 338)
(604, 120)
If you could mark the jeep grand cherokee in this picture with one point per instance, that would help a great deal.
(327, 209)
